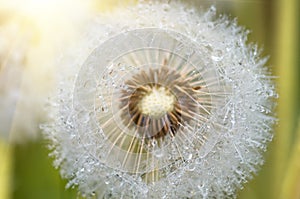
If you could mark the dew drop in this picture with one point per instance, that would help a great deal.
(158, 153)
(190, 156)
(217, 56)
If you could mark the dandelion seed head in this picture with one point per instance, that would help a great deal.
(162, 101)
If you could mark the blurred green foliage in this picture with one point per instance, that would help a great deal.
(34, 176)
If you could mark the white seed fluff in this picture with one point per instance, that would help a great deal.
(211, 155)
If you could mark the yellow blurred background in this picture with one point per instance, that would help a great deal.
(26, 171)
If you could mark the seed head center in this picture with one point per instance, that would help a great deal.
(157, 102)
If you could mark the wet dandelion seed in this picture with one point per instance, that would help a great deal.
(159, 102)
(183, 110)
(162, 99)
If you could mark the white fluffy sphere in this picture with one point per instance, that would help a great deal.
(162, 101)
